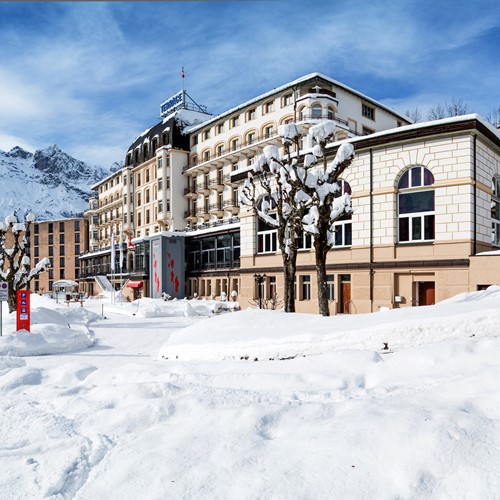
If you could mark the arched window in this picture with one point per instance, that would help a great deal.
(416, 205)
(495, 212)
(330, 114)
(316, 111)
(343, 227)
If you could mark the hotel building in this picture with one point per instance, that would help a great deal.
(425, 202)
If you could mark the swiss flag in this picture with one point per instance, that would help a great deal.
(130, 244)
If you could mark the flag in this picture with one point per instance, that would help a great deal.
(130, 244)
(113, 251)
(182, 73)
(121, 248)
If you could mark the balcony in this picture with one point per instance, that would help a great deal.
(190, 191)
(190, 214)
(232, 205)
(215, 208)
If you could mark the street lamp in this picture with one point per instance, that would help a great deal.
(259, 279)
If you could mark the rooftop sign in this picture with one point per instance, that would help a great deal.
(172, 104)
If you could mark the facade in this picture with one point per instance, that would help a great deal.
(425, 197)
(425, 210)
(62, 241)
(226, 145)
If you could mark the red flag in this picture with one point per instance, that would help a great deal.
(130, 244)
(182, 74)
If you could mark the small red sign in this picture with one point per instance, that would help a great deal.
(23, 310)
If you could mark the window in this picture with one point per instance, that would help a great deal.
(330, 113)
(61, 250)
(51, 239)
(77, 225)
(304, 241)
(235, 144)
(36, 242)
(273, 290)
(495, 212)
(316, 111)
(268, 107)
(36, 229)
(235, 121)
(51, 227)
(61, 227)
(416, 205)
(148, 220)
(195, 140)
(138, 177)
(305, 287)
(160, 184)
(139, 221)
(160, 206)
(220, 128)
(330, 286)
(37, 252)
(61, 261)
(367, 131)
(77, 249)
(266, 234)
(160, 162)
(220, 149)
(368, 111)
(251, 114)
(343, 226)
(286, 100)
(147, 175)
(206, 155)
(61, 274)
(269, 131)
(206, 134)
(61, 238)
(138, 199)
(251, 137)
(147, 196)
(77, 237)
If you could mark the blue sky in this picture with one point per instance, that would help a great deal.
(90, 76)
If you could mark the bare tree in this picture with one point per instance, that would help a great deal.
(15, 266)
(437, 112)
(457, 107)
(305, 195)
(415, 115)
(493, 117)
(275, 202)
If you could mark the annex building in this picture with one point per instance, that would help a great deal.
(425, 199)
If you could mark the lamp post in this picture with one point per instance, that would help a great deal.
(259, 279)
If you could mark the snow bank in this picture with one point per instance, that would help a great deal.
(157, 308)
(52, 331)
(259, 334)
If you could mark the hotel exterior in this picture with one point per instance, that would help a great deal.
(62, 241)
(425, 200)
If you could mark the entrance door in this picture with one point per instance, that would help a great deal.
(426, 293)
(345, 293)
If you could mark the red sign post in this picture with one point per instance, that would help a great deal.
(23, 310)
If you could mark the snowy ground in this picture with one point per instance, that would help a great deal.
(105, 414)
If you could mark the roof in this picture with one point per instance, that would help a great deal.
(300, 80)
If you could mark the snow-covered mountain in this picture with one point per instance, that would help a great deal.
(49, 182)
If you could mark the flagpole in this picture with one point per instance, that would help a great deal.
(121, 262)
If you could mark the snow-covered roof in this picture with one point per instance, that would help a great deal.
(300, 80)
(416, 126)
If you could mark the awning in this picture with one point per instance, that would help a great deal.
(135, 284)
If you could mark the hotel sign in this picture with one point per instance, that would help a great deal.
(172, 104)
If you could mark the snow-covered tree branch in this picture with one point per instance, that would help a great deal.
(298, 193)
(15, 265)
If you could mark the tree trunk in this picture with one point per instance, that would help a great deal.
(12, 299)
(289, 285)
(321, 250)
